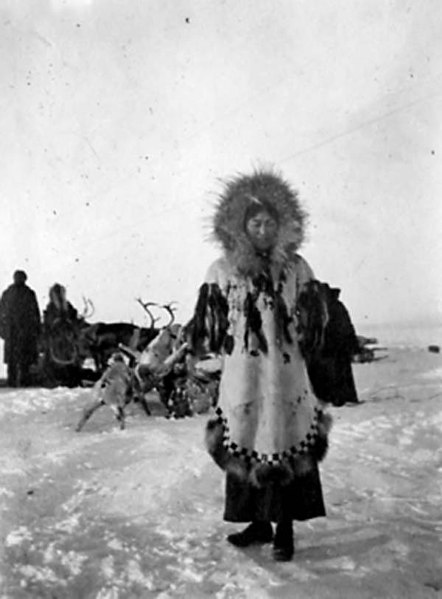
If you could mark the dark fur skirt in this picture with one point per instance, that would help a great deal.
(301, 499)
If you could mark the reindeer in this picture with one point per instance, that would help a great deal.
(161, 365)
(156, 366)
(100, 340)
(117, 385)
(114, 389)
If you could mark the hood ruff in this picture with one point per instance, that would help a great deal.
(229, 221)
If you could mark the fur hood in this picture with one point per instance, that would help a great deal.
(239, 194)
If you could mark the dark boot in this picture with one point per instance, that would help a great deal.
(12, 375)
(23, 375)
(255, 533)
(283, 544)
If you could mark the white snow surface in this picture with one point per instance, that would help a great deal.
(110, 514)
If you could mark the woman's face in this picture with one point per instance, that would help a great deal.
(262, 230)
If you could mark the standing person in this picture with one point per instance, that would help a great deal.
(61, 324)
(270, 430)
(342, 344)
(20, 329)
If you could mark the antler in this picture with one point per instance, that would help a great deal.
(89, 308)
(171, 311)
(145, 306)
(175, 356)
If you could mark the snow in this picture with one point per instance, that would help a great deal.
(111, 514)
(17, 536)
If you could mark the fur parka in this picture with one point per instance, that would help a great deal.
(268, 426)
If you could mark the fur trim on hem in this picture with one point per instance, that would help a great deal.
(260, 474)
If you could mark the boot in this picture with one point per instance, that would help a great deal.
(12, 375)
(283, 544)
(255, 533)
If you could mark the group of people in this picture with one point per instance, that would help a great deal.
(280, 367)
(24, 333)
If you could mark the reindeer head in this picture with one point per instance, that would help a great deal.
(160, 355)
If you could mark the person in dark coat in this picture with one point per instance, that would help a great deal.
(20, 329)
(342, 342)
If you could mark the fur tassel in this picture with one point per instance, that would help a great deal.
(219, 454)
(313, 317)
(208, 327)
(320, 448)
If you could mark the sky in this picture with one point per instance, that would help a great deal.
(120, 120)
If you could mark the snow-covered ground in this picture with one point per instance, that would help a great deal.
(110, 514)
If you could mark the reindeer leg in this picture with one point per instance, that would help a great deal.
(144, 405)
(118, 411)
(87, 413)
(97, 362)
(165, 398)
(121, 417)
(138, 395)
(181, 401)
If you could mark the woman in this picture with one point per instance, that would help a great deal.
(62, 363)
(270, 430)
